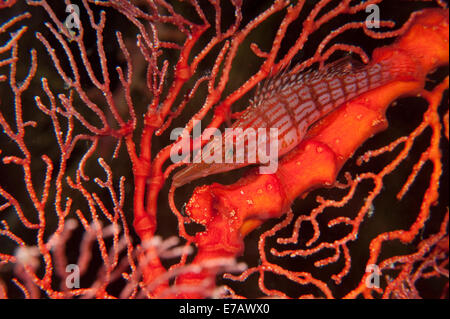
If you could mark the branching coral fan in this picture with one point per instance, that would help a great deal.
(91, 90)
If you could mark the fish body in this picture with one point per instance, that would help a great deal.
(289, 103)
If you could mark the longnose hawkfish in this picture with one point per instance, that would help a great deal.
(290, 103)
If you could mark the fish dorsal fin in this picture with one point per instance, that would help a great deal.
(344, 65)
(284, 78)
(340, 67)
(270, 85)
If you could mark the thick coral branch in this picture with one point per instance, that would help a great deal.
(229, 212)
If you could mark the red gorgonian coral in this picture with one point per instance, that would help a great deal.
(90, 91)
